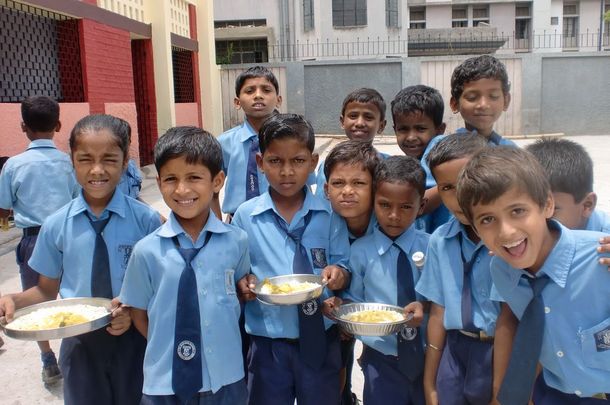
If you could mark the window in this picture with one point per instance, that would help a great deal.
(480, 14)
(417, 17)
(522, 26)
(459, 16)
(241, 51)
(308, 15)
(570, 25)
(349, 13)
(391, 13)
(240, 23)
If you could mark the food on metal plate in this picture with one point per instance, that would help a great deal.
(287, 288)
(57, 317)
(373, 316)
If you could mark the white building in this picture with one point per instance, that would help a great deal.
(320, 29)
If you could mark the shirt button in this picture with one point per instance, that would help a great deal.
(207, 323)
(560, 354)
(547, 310)
(204, 291)
(209, 350)
(577, 392)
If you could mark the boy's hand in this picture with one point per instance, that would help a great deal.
(121, 319)
(604, 248)
(329, 305)
(245, 286)
(417, 309)
(7, 307)
(337, 278)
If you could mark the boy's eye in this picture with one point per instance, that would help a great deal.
(360, 183)
(169, 179)
(518, 211)
(383, 204)
(447, 187)
(337, 183)
(299, 161)
(486, 220)
(406, 206)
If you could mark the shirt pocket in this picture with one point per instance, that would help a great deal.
(224, 287)
(595, 346)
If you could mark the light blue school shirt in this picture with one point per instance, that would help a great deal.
(495, 139)
(576, 346)
(151, 283)
(599, 221)
(373, 262)
(131, 180)
(272, 253)
(339, 232)
(442, 280)
(64, 248)
(36, 183)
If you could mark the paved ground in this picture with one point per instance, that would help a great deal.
(20, 363)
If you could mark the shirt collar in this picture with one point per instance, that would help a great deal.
(172, 227)
(246, 132)
(41, 143)
(404, 241)
(116, 205)
(311, 203)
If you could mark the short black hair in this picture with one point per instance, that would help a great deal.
(476, 68)
(567, 164)
(197, 146)
(455, 146)
(365, 96)
(280, 126)
(401, 169)
(351, 153)
(253, 72)
(97, 122)
(419, 98)
(40, 113)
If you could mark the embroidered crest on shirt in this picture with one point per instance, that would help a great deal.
(319, 257)
(309, 307)
(186, 350)
(408, 333)
(602, 340)
(125, 254)
(230, 282)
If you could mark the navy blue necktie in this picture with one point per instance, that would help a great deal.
(467, 314)
(187, 375)
(101, 283)
(312, 336)
(521, 372)
(252, 171)
(410, 348)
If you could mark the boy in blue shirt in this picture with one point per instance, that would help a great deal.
(480, 92)
(457, 281)
(294, 352)
(203, 365)
(35, 184)
(417, 113)
(547, 276)
(383, 272)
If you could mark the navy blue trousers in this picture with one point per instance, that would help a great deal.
(385, 384)
(232, 394)
(465, 371)
(99, 368)
(29, 277)
(278, 376)
(545, 395)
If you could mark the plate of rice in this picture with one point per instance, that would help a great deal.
(371, 319)
(58, 319)
(290, 289)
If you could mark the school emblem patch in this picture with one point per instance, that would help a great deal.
(408, 333)
(125, 254)
(186, 350)
(602, 340)
(319, 257)
(309, 307)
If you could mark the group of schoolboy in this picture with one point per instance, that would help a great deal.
(529, 322)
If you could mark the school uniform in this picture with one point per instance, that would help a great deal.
(131, 180)
(98, 368)
(151, 284)
(599, 221)
(495, 139)
(373, 262)
(276, 371)
(575, 354)
(34, 184)
(465, 372)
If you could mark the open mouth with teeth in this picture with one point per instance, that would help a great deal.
(98, 182)
(185, 202)
(516, 248)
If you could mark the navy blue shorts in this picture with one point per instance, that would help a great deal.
(99, 368)
(465, 371)
(23, 252)
(545, 395)
(232, 394)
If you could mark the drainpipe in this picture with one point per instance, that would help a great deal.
(601, 25)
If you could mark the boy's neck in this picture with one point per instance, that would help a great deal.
(35, 136)
(98, 206)
(256, 123)
(287, 206)
(194, 226)
(357, 226)
(484, 133)
(549, 240)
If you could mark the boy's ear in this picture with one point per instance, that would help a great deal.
(440, 130)
(259, 161)
(24, 127)
(326, 190)
(58, 126)
(549, 207)
(506, 101)
(218, 181)
(341, 118)
(159, 182)
(455, 106)
(382, 126)
(314, 160)
(279, 101)
(236, 103)
(422, 205)
(588, 204)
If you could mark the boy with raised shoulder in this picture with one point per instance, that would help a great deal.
(480, 92)
(181, 281)
(294, 352)
(555, 292)
(456, 279)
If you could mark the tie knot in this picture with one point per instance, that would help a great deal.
(254, 144)
(188, 254)
(538, 284)
(98, 226)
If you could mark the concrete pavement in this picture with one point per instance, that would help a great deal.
(19, 361)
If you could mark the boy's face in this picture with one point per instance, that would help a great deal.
(350, 190)
(362, 121)
(446, 175)
(396, 207)
(414, 131)
(257, 98)
(572, 214)
(287, 163)
(188, 189)
(514, 227)
(481, 104)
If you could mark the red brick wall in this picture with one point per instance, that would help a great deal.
(107, 69)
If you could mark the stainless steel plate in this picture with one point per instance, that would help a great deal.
(59, 333)
(292, 298)
(369, 329)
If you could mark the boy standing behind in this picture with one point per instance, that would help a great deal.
(480, 92)
(294, 352)
(35, 184)
(555, 291)
(186, 357)
(257, 94)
